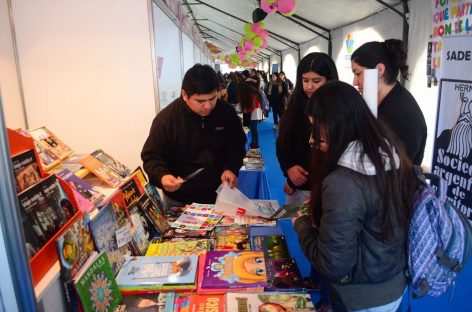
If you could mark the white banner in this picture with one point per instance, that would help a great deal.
(456, 56)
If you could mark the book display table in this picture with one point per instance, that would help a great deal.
(253, 184)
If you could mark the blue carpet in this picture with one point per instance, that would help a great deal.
(456, 299)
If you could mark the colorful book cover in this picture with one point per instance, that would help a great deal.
(48, 159)
(253, 220)
(181, 248)
(291, 211)
(266, 230)
(156, 302)
(283, 274)
(182, 303)
(111, 163)
(207, 303)
(198, 217)
(26, 170)
(51, 142)
(132, 190)
(82, 187)
(58, 200)
(148, 225)
(156, 199)
(269, 301)
(234, 269)
(274, 246)
(146, 205)
(141, 238)
(266, 207)
(226, 221)
(97, 287)
(186, 233)
(158, 271)
(232, 238)
(104, 228)
(74, 247)
(117, 202)
(102, 171)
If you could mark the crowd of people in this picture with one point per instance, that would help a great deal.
(355, 171)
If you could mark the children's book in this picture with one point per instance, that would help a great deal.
(96, 285)
(74, 247)
(155, 302)
(266, 207)
(182, 303)
(111, 163)
(141, 237)
(156, 199)
(274, 246)
(157, 273)
(132, 189)
(153, 215)
(82, 187)
(117, 202)
(105, 173)
(198, 217)
(179, 248)
(71, 163)
(46, 157)
(291, 211)
(104, 229)
(226, 221)
(187, 233)
(269, 301)
(266, 230)
(149, 228)
(283, 274)
(232, 238)
(234, 269)
(50, 146)
(26, 170)
(207, 303)
(253, 220)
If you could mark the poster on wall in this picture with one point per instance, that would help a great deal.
(452, 155)
(450, 18)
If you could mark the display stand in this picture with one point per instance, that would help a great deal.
(45, 258)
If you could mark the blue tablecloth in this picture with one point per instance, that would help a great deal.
(253, 184)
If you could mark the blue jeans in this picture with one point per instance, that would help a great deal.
(254, 132)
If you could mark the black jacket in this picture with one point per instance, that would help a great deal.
(181, 141)
(346, 248)
(401, 112)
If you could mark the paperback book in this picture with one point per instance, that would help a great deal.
(104, 229)
(156, 199)
(141, 237)
(207, 303)
(74, 247)
(26, 170)
(187, 233)
(232, 238)
(291, 211)
(105, 173)
(132, 190)
(234, 269)
(269, 301)
(111, 163)
(179, 248)
(273, 246)
(154, 302)
(152, 214)
(283, 274)
(50, 145)
(158, 273)
(198, 217)
(96, 285)
(253, 220)
(82, 187)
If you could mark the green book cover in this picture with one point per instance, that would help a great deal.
(96, 286)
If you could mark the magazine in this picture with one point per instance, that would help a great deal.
(26, 170)
(198, 217)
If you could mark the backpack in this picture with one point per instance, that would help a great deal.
(439, 240)
(264, 103)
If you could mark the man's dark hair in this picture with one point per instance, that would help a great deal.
(200, 79)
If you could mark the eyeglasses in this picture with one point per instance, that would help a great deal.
(313, 142)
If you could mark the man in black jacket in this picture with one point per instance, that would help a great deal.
(194, 131)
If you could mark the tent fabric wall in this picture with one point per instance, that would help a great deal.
(9, 84)
(316, 45)
(187, 50)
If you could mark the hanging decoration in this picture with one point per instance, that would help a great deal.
(213, 48)
(285, 7)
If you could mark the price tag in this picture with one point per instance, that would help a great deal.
(123, 235)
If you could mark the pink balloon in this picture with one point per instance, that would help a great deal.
(248, 45)
(269, 8)
(286, 6)
(256, 28)
(264, 33)
(264, 43)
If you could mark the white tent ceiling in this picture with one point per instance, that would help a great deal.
(218, 27)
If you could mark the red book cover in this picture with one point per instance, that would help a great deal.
(207, 303)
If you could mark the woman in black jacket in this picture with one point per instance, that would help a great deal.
(363, 185)
(276, 93)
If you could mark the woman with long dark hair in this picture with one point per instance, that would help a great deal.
(293, 151)
(276, 94)
(362, 189)
(397, 107)
(250, 103)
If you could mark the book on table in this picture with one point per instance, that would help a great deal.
(154, 273)
(269, 301)
(235, 237)
(273, 246)
(50, 148)
(96, 285)
(198, 217)
(132, 188)
(26, 170)
(111, 163)
(102, 171)
(154, 302)
(74, 247)
(159, 247)
(82, 187)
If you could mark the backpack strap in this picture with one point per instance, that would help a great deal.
(445, 260)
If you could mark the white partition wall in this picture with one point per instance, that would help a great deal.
(87, 72)
(187, 50)
(290, 63)
(168, 54)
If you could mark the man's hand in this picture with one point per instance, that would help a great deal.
(288, 190)
(297, 175)
(229, 177)
(171, 183)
